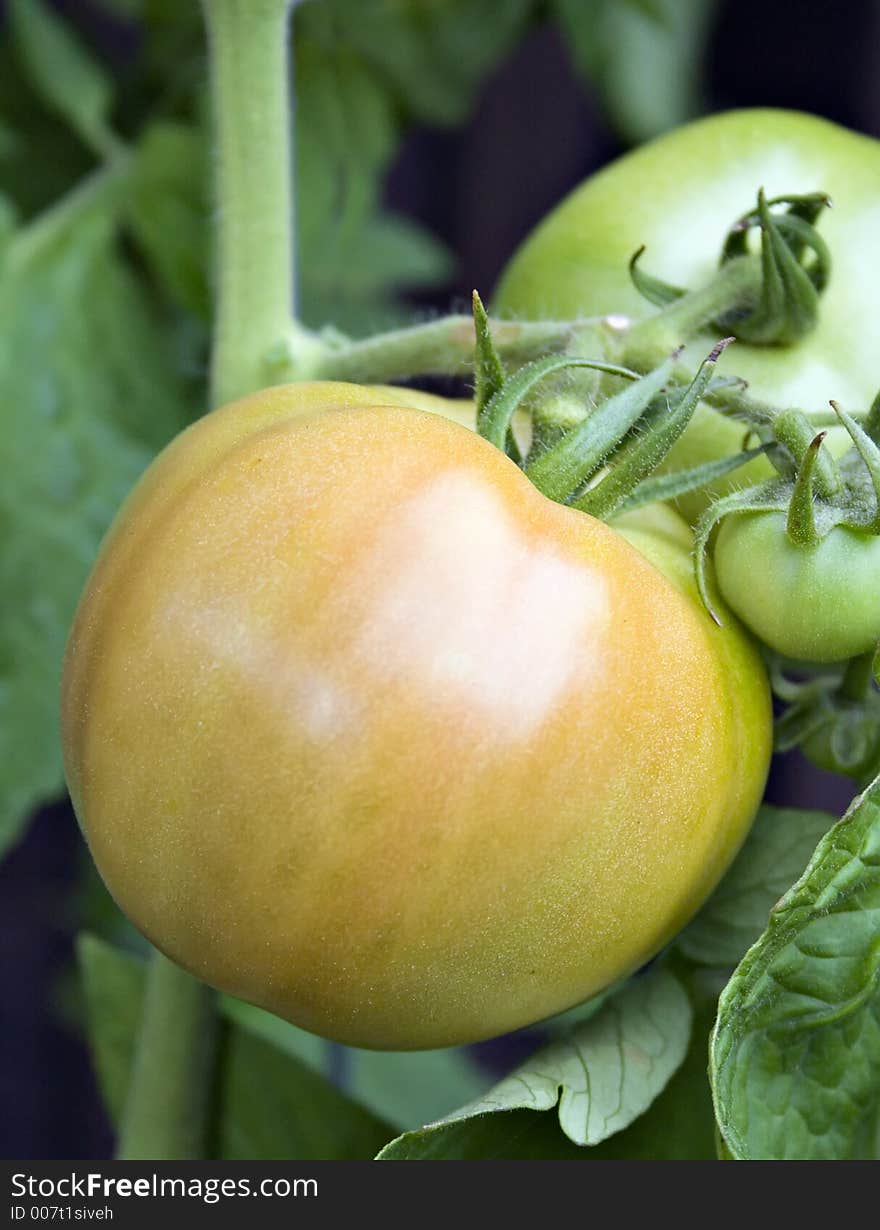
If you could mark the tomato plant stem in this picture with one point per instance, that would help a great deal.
(248, 45)
(166, 1110)
(446, 347)
(736, 283)
(858, 681)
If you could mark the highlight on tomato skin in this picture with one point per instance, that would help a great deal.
(363, 729)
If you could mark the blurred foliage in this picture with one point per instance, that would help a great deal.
(644, 58)
(105, 304)
(268, 1104)
(404, 1088)
(86, 398)
(65, 76)
(105, 284)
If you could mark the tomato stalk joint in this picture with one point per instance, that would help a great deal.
(766, 298)
(599, 463)
(798, 556)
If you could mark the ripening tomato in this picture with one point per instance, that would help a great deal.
(678, 196)
(363, 729)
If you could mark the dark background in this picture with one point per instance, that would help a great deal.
(536, 131)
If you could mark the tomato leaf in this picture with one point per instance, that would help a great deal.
(645, 60)
(88, 392)
(795, 1057)
(363, 71)
(354, 283)
(273, 1107)
(680, 1124)
(774, 855)
(514, 1135)
(406, 1088)
(168, 213)
(268, 1104)
(601, 1076)
(69, 80)
(431, 56)
(355, 256)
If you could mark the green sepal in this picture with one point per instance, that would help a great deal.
(562, 470)
(870, 455)
(801, 523)
(655, 290)
(796, 726)
(766, 299)
(771, 496)
(495, 421)
(803, 214)
(796, 432)
(489, 372)
(641, 455)
(788, 305)
(666, 487)
(872, 421)
(794, 689)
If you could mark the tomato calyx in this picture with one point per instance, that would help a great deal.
(766, 298)
(600, 462)
(832, 715)
(813, 496)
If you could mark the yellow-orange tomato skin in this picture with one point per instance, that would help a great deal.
(363, 729)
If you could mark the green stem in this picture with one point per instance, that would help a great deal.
(167, 1106)
(798, 433)
(737, 281)
(248, 44)
(858, 681)
(166, 1111)
(446, 347)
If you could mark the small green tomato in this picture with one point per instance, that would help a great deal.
(815, 603)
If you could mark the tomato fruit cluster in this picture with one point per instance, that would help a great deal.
(362, 728)
(677, 196)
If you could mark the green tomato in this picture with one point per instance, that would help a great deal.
(678, 196)
(815, 603)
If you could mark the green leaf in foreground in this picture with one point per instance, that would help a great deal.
(775, 853)
(89, 390)
(268, 1104)
(680, 1124)
(795, 1056)
(602, 1076)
